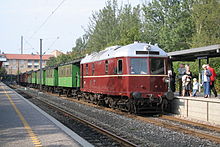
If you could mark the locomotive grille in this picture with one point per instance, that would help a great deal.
(147, 52)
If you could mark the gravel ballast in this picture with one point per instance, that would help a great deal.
(139, 132)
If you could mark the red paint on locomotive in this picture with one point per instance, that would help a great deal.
(97, 79)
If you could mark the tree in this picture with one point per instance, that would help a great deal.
(206, 16)
(168, 23)
(80, 48)
(3, 72)
(52, 61)
(102, 28)
(81, 43)
(129, 27)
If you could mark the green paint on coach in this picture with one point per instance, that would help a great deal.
(51, 77)
(69, 76)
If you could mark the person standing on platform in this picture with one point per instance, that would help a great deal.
(172, 75)
(212, 80)
(206, 74)
(195, 87)
(188, 85)
(181, 71)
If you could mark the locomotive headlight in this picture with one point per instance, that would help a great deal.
(166, 79)
(136, 95)
(169, 95)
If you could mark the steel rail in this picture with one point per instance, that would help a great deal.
(173, 127)
(172, 118)
(97, 128)
(181, 129)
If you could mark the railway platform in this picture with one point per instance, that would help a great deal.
(198, 108)
(24, 124)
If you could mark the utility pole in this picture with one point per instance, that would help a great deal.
(21, 44)
(41, 64)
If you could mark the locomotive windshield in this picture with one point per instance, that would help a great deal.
(157, 66)
(138, 66)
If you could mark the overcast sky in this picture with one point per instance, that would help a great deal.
(25, 17)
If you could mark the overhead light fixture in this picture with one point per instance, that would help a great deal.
(147, 47)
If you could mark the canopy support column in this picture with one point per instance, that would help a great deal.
(199, 75)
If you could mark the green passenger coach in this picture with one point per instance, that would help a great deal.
(33, 78)
(29, 77)
(51, 77)
(69, 76)
(38, 77)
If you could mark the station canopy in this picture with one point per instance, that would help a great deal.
(192, 54)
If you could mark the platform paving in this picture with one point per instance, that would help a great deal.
(23, 124)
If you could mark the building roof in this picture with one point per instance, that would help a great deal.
(130, 50)
(27, 56)
(56, 53)
(192, 54)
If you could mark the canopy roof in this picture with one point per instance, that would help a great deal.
(196, 53)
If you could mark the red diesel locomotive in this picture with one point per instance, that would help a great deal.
(133, 78)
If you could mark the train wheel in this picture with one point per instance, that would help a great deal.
(133, 108)
(111, 103)
(164, 105)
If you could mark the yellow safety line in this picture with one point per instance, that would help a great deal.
(34, 138)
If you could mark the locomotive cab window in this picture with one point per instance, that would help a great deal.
(138, 66)
(157, 66)
(87, 69)
(106, 67)
(93, 69)
(119, 68)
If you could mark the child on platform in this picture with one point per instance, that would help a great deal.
(195, 87)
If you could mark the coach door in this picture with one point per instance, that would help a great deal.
(119, 84)
(82, 80)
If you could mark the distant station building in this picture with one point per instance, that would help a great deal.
(56, 53)
(18, 63)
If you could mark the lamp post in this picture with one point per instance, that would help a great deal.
(41, 64)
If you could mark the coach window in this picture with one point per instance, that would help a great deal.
(119, 70)
(59, 72)
(93, 69)
(67, 71)
(157, 66)
(106, 67)
(87, 69)
(50, 73)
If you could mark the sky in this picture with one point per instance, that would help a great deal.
(39, 19)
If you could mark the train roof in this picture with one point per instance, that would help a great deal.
(131, 50)
(76, 61)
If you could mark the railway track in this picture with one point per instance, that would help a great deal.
(167, 125)
(200, 130)
(118, 139)
(208, 127)
(185, 130)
